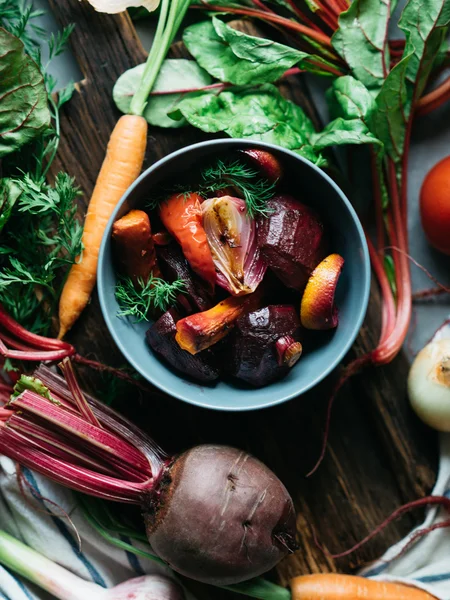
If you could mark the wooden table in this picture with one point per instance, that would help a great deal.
(379, 455)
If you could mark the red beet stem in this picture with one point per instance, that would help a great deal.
(427, 501)
(318, 36)
(434, 99)
(77, 441)
(32, 339)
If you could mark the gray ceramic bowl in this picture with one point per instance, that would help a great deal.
(347, 238)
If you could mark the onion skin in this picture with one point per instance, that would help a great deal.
(221, 516)
(429, 385)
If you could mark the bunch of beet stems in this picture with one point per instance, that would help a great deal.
(19, 344)
(312, 31)
(315, 30)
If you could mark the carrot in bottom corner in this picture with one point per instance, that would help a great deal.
(331, 586)
(122, 165)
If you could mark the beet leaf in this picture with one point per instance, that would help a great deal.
(24, 112)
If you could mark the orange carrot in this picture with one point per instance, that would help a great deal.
(330, 586)
(135, 250)
(181, 215)
(122, 165)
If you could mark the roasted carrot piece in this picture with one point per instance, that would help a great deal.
(182, 217)
(331, 586)
(201, 330)
(122, 164)
(135, 250)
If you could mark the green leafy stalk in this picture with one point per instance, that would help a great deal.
(139, 301)
(171, 16)
(38, 569)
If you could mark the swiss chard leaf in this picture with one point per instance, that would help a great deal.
(24, 112)
(350, 99)
(361, 41)
(241, 59)
(425, 23)
(256, 113)
(345, 131)
(175, 74)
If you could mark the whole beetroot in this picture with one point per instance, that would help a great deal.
(291, 240)
(220, 516)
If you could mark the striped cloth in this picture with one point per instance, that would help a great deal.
(427, 563)
(28, 520)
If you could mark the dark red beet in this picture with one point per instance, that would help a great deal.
(220, 516)
(292, 240)
(161, 338)
(174, 266)
(255, 356)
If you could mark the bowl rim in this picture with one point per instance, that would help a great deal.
(357, 323)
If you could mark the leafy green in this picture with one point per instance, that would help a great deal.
(425, 24)
(35, 385)
(350, 99)
(24, 112)
(241, 59)
(253, 113)
(361, 41)
(42, 239)
(175, 74)
(9, 193)
(139, 301)
(345, 131)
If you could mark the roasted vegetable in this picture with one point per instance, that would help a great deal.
(267, 164)
(181, 215)
(318, 310)
(134, 248)
(202, 330)
(231, 235)
(292, 240)
(196, 294)
(161, 337)
(265, 344)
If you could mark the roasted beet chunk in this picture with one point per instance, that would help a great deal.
(197, 296)
(266, 344)
(292, 240)
(161, 338)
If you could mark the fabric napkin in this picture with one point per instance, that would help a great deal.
(427, 563)
(27, 519)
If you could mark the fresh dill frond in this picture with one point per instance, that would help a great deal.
(41, 235)
(138, 301)
(255, 190)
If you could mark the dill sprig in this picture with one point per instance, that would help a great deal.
(139, 301)
(255, 190)
(41, 235)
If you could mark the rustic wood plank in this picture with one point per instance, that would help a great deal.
(379, 455)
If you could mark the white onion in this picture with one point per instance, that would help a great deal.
(429, 384)
(116, 6)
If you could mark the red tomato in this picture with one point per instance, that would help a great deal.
(435, 206)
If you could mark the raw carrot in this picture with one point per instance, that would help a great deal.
(331, 586)
(122, 164)
(133, 243)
